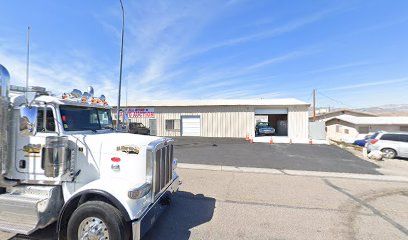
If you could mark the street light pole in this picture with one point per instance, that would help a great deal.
(120, 68)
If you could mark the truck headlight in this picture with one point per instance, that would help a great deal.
(140, 192)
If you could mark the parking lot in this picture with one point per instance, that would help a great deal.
(238, 152)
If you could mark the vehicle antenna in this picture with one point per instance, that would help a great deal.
(314, 105)
(28, 62)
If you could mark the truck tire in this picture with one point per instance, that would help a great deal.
(99, 220)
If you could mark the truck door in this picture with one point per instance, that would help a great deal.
(29, 148)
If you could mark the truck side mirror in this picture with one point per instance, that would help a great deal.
(28, 119)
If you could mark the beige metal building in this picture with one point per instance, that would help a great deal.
(221, 118)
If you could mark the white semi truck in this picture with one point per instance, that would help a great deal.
(62, 161)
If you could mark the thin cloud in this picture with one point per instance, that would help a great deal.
(247, 72)
(158, 34)
(279, 59)
(338, 67)
(57, 75)
(286, 28)
(382, 25)
(368, 84)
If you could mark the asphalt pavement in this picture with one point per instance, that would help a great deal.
(239, 153)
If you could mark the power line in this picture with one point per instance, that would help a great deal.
(335, 100)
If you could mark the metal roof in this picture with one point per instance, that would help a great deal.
(344, 111)
(222, 102)
(373, 120)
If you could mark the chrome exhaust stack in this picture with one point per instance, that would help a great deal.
(4, 124)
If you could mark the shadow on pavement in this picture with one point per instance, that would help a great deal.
(48, 233)
(186, 211)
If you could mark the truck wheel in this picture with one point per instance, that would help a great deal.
(389, 153)
(97, 220)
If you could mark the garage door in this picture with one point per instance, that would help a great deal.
(191, 126)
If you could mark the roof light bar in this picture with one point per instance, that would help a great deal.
(85, 97)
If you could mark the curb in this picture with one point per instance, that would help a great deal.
(292, 172)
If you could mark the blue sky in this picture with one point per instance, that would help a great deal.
(355, 53)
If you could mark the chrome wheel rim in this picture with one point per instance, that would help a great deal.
(388, 153)
(93, 228)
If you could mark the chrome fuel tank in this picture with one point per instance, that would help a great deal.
(56, 156)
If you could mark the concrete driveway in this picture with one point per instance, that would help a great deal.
(239, 153)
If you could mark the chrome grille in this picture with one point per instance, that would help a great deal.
(162, 173)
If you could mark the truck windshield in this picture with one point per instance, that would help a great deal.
(85, 118)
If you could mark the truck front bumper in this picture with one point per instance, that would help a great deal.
(149, 217)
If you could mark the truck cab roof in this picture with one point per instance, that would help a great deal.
(18, 99)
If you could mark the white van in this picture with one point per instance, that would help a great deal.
(392, 144)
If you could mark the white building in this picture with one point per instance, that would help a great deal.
(221, 118)
(348, 128)
(325, 116)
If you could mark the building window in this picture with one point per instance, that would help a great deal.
(346, 131)
(404, 128)
(172, 124)
(337, 128)
(363, 130)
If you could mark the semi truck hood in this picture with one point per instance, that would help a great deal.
(95, 152)
(110, 141)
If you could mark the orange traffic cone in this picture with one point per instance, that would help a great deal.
(271, 141)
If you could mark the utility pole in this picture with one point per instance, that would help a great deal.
(314, 105)
(120, 67)
(28, 63)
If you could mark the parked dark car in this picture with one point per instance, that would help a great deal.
(365, 140)
(362, 142)
(138, 128)
(264, 128)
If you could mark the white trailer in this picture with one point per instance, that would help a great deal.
(61, 160)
